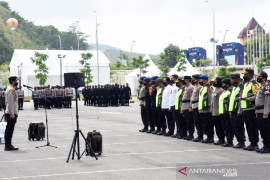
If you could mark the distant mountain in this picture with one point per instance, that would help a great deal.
(114, 54)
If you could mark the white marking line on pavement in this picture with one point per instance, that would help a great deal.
(123, 154)
(91, 172)
(127, 170)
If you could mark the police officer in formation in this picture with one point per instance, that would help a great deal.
(224, 107)
(107, 95)
(20, 93)
(52, 97)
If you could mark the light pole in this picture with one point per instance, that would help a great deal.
(225, 36)
(61, 57)
(97, 44)
(78, 40)
(60, 42)
(131, 49)
(19, 74)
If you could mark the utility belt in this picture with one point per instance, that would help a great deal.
(185, 101)
(193, 102)
(20, 96)
(259, 107)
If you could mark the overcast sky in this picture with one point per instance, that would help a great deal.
(153, 24)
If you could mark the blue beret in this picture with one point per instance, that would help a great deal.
(154, 77)
(146, 79)
(142, 78)
(204, 77)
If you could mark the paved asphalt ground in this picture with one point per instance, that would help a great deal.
(128, 154)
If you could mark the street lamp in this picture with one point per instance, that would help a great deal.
(225, 36)
(19, 74)
(61, 57)
(132, 46)
(97, 44)
(60, 43)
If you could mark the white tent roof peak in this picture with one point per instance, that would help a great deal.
(190, 70)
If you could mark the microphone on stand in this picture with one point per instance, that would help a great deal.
(27, 86)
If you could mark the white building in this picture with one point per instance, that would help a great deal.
(21, 66)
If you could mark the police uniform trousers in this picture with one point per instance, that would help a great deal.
(252, 126)
(144, 117)
(161, 121)
(178, 119)
(227, 127)
(220, 132)
(35, 103)
(170, 121)
(198, 122)
(238, 127)
(264, 126)
(155, 117)
(189, 122)
(150, 117)
(175, 117)
(207, 124)
(21, 103)
(9, 129)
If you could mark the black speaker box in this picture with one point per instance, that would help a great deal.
(74, 80)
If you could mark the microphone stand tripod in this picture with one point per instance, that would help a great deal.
(47, 124)
(76, 138)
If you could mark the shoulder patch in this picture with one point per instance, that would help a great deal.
(255, 88)
(267, 90)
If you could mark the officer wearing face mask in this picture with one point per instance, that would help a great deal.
(178, 103)
(236, 111)
(161, 121)
(214, 109)
(11, 112)
(262, 104)
(194, 107)
(153, 102)
(224, 112)
(204, 109)
(248, 106)
(148, 106)
(142, 104)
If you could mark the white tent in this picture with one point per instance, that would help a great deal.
(133, 77)
(190, 70)
(21, 66)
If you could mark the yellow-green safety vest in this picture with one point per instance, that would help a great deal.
(224, 102)
(203, 98)
(178, 100)
(234, 99)
(247, 92)
(159, 98)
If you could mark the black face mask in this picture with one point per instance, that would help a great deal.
(145, 84)
(259, 80)
(177, 84)
(245, 78)
(16, 84)
(193, 81)
(184, 83)
(235, 84)
(215, 84)
(225, 87)
(201, 83)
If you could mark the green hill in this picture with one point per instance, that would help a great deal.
(29, 36)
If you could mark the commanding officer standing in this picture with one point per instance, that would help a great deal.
(35, 97)
(204, 104)
(248, 106)
(262, 104)
(20, 93)
(214, 109)
(188, 123)
(11, 113)
(195, 111)
(236, 111)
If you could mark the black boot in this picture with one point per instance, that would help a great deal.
(263, 150)
(198, 139)
(208, 140)
(11, 148)
(143, 130)
(189, 138)
(239, 145)
(219, 142)
(228, 144)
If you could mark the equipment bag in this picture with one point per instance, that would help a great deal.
(36, 131)
(95, 140)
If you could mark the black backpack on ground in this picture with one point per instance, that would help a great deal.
(36, 131)
(95, 140)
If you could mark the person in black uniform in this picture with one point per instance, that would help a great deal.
(127, 94)
(35, 97)
(148, 105)
(153, 104)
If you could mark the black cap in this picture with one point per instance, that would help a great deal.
(263, 74)
(175, 76)
(235, 76)
(218, 79)
(248, 71)
(196, 76)
(187, 77)
(226, 81)
(12, 78)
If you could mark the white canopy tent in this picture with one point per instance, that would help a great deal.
(21, 66)
(133, 77)
(190, 70)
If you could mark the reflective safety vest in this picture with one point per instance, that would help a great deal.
(234, 99)
(159, 98)
(203, 98)
(247, 92)
(178, 100)
(224, 102)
